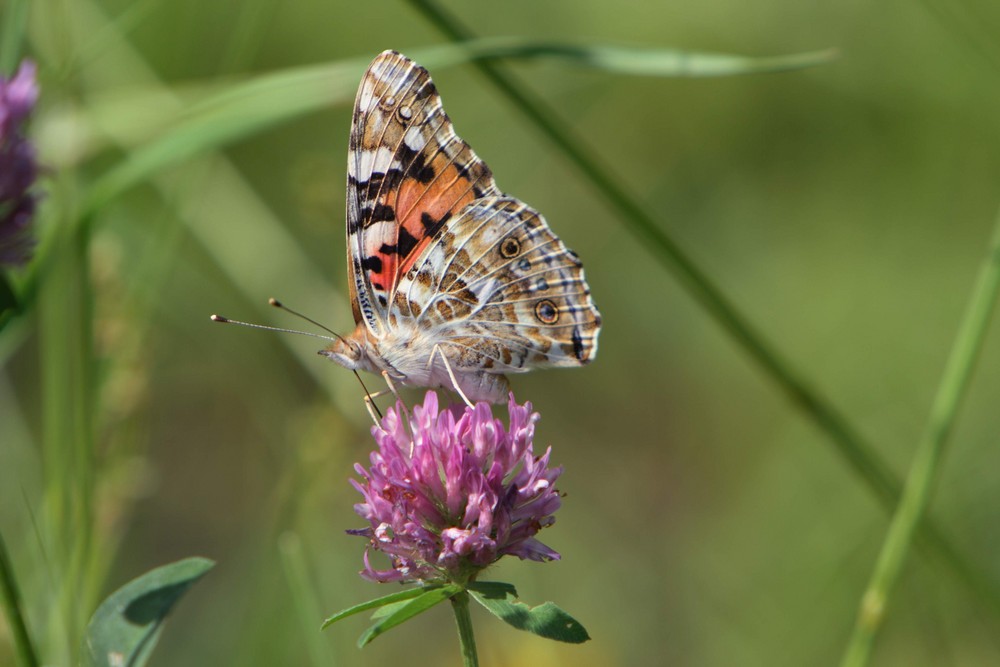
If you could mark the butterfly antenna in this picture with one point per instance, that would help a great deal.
(280, 306)
(226, 320)
(371, 400)
(277, 304)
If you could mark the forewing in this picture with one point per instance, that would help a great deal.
(408, 173)
(498, 290)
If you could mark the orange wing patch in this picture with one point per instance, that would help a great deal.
(420, 211)
(425, 208)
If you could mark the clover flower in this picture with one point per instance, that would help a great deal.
(17, 166)
(451, 491)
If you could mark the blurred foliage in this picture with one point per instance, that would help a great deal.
(845, 209)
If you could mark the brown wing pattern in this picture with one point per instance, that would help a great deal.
(499, 291)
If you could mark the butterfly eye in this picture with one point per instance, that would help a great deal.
(541, 285)
(546, 312)
(524, 265)
(388, 102)
(510, 247)
(405, 113)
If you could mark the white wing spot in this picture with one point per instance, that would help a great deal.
(414, 138)
(369, 162)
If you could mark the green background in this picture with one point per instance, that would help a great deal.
(707, 521)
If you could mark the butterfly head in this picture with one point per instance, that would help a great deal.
(344, 352)
(351, 351)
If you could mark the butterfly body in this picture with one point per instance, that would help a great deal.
(453, 283)
(408, 360)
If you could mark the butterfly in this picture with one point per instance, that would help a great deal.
(453, 283)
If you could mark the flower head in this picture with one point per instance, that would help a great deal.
(17, 165)
(451, 491)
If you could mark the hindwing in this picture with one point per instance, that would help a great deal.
(499, 290)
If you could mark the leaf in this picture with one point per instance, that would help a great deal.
(247, 108)
(408, 594)
(640, 61)
(237, 112)
(387, 610)
(493, 589)
(125, 628)
(418, 605)
(546, 620)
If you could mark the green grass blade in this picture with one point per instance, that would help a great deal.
(10, 599)
(304, 598)
(244, 109)
(15, 20)
(641, 222)
(68, 384)
(638, 61)
(926, 462)
(977, 35)
(247, 35)
(187, 194)
(234, 114)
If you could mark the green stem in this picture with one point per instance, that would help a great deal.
(14, 19)
(55, 361)
(926, 462)
(466, 637)
(68, 394)
(86, 388)
(304, 598)
(641, 222)
(11, 600)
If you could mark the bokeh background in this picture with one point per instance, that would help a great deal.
(843, 208)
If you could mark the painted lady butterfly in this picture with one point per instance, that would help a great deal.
(453, 283)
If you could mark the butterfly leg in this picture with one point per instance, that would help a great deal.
(392, 386)
(372, 408)
(370, 398)
(451, 373)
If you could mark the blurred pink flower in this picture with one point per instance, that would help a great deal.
(449, 492)
(17, 166)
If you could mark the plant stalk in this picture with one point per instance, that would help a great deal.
(926, 462)
(466, 637)
(11, 600)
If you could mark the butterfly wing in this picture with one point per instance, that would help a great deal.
(500, 292)
(408, 174)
